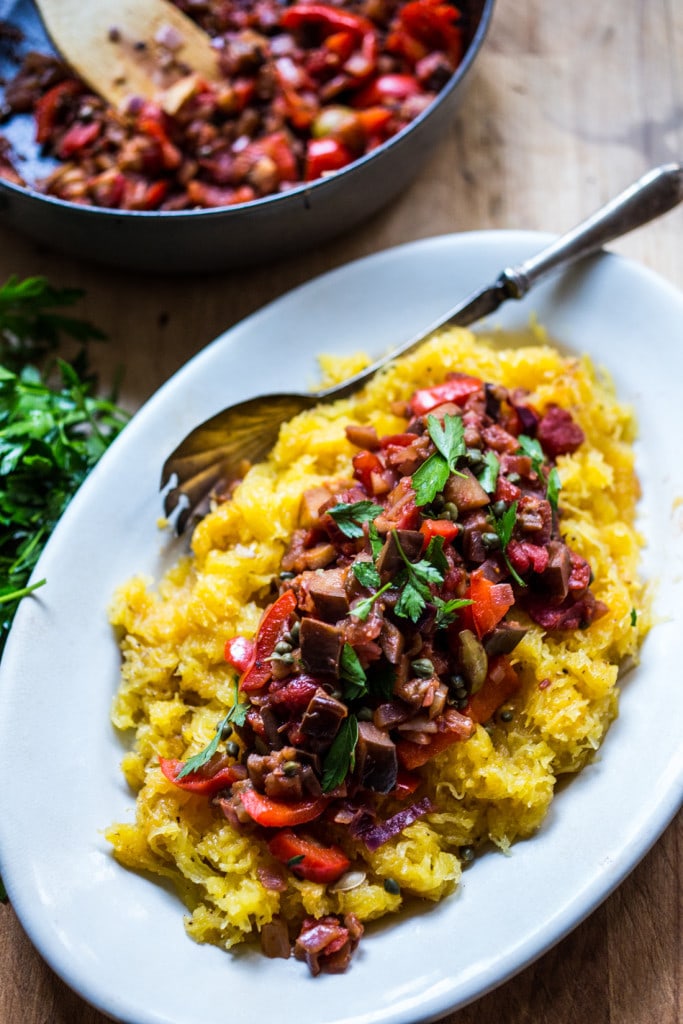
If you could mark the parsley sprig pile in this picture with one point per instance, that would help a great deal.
(53, 429)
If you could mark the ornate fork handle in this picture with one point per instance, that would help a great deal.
(214, 454)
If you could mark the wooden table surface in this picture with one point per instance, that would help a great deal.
(568, 104)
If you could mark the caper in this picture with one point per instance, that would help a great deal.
(423, 668)
(294, 631)
(282, 647)
(391, 886)
(499, 508)
(450, 511)
(506, 714)
(474, 456)
(490, 541)
(232, 749)
(439, 502)
(287, 575)
(290, 767)
(226, 730)
(364, 714)
(467, 854)
(286, 659)
(514, 477)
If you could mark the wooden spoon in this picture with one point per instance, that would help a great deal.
(126, 48)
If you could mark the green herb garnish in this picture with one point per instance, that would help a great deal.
(431, 477)
(488, 478)
(52, 429)
(350, 517)
(414, 581)
(236, 716)
(446, 611)
(352, 674)
(634, 616)
(504, 525)
(530, 447)
(364, 607)
(553, 488)
(367, 575)
(340, 758)
(376, 542)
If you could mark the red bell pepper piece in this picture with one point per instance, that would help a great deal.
(434, 24)
(452, 728)
(406, 784)
(317, 864)
(273, 624)
(431, 528)
(78, 137)
(456, 388)
(501, 683)
(325, 155)
(49, 105)
(389, 88)
(490, 602)
(280, 813)
(206, 780)
(327, 18)
(239, 652)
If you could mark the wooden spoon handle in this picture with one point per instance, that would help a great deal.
(117, 46)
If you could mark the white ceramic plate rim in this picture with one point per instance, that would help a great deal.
(117, 938)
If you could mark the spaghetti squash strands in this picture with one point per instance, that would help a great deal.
(493, 787)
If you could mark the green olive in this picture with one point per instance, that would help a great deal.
(474, 661)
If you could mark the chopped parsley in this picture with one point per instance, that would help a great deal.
(503, 526)
(488, 478)
(431, 477)
(236, 715)
(352, 674)
(414, 581)
(340, 758)
(350, 517)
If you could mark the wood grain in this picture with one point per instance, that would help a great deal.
(568, 104)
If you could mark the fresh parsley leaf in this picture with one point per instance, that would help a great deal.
(340, 758)
(352, 673)
(634, 616)
(531, 447)
(350, 517)
(413, 600)
(449, 438)
(434, 554)
(296, 859)
(446, 611)
(381, 682)
(553, 487)
(362, 609)
(236, 715)
(488, 478)
(367, 575)
(430, 478)
(504, 527)
(376, 542)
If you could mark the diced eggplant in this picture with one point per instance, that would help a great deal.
(504, 638)
(389, 560)
(328, 594)
(363, 436)
(555, 578)
(321, 646)
(392, 642)
(376, 761)
(321, 720)
(466, 492)
(471, 533)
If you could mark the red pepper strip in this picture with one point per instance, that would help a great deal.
(328, 19)
(501, 683)
(47, 107)
(431, 22)
(406, 784)
(151, 122)
(456, 389)
(200, 781)
(280, 813)
(374, 121)
(453, 728)
(400, 440)
(239, 652)
(78, 137)
(490, 602)
(431, 528)
(365, 465)
(272, 625)
(387, 88)
(325, 155)
(319, 864)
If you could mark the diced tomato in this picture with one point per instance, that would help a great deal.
(206, 780)
(431, 528)
(457, 388)
(325, 155)
(501, 683)
(239, 652)
(311, 860)
(273, 624)
(280, 813)
(397, 440)
(452, 728)
(490, 602)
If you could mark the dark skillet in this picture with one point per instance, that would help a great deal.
(230, 237)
